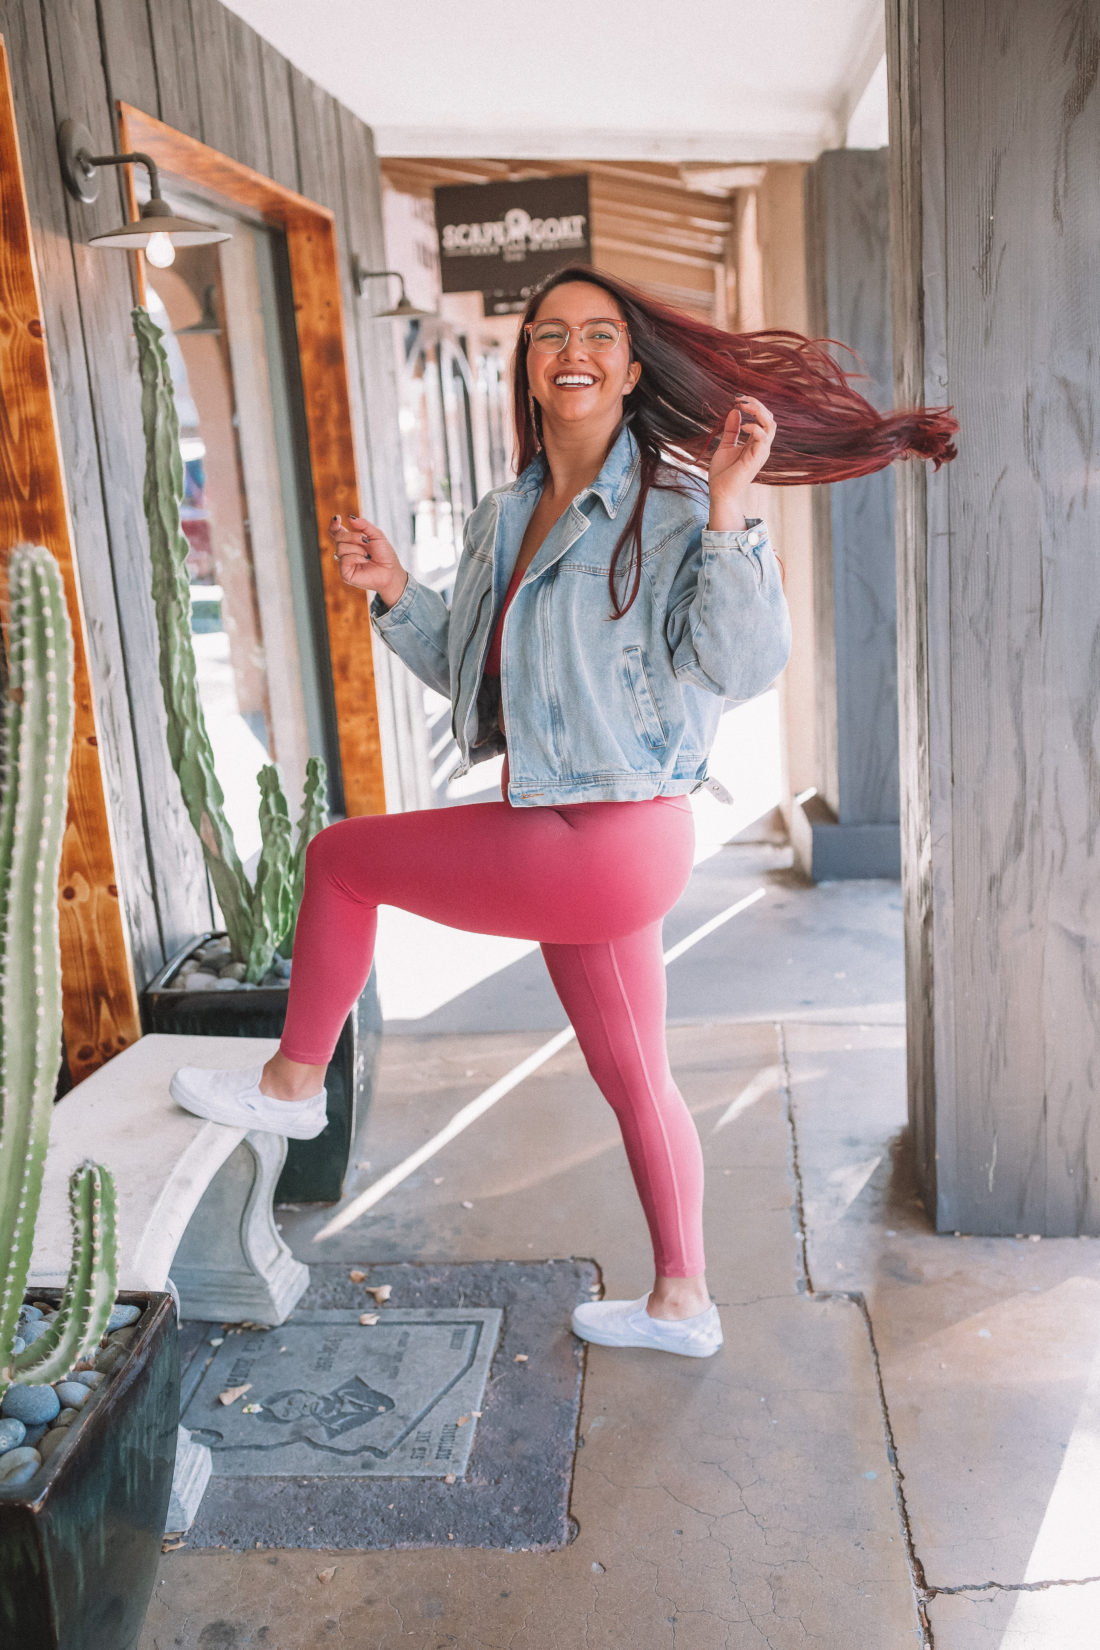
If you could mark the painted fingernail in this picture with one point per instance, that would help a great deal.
(364, 538)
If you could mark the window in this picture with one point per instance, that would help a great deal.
(257, 609)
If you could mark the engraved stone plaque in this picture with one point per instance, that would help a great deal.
(329, 1395)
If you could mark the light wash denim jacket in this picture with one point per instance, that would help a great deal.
(597, 709)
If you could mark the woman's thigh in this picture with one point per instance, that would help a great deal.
(572, 875)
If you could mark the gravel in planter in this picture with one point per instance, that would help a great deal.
(36, 1419)
(211, 967)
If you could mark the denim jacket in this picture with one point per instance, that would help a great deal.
(597, 708)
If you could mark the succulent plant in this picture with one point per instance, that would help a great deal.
(259, 918)
(38, 726)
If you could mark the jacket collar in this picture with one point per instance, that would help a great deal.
(611, 483)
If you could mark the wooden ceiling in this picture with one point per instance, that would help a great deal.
(648, 225)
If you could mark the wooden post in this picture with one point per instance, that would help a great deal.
(995, 126)
(99, 995)
(849, 827)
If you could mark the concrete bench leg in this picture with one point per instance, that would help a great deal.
(231, 1265)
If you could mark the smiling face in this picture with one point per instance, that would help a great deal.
(578, 384)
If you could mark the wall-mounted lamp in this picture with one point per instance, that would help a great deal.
(158, 231)
(404, 309)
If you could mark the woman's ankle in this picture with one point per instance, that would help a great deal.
(678, 1297)
(283, 1079)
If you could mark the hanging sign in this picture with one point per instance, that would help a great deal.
(501, 239)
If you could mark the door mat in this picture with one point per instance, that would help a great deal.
(450, 1421)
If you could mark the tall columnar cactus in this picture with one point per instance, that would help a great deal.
(313, 818)
(38, 726)
(259, 919)
(188, 741)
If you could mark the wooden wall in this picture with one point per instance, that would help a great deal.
(995, 128)
(197, 67)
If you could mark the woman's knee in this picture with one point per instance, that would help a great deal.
(330, 853)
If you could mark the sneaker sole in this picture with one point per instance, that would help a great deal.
(596, 1339)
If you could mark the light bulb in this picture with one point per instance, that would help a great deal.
(160, 251)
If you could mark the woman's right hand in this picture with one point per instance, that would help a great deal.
(367, 558)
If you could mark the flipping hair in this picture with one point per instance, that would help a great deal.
(691, 375)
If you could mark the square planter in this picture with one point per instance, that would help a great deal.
(80, 1543)
(314, 1171)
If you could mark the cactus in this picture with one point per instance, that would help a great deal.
(271, 892)
(313, 818)
(258, 918)
(38, 726)
(188, 741)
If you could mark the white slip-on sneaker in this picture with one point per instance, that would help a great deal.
(627, 1323)
(234, 1097)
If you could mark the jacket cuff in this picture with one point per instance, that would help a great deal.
(752, 535)
(383, 617)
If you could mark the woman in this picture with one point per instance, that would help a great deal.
(605, 606)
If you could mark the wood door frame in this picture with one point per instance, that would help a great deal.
(310, 231)
(98, 990)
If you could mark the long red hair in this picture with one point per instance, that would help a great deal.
(691, 373)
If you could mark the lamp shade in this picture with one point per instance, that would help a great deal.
(157, 218)
(404, 310)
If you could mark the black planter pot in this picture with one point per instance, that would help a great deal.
(80, 1543)
(315, 1169)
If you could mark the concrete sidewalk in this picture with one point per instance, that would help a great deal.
(898, 1444)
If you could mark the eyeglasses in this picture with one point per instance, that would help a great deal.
(551, 337)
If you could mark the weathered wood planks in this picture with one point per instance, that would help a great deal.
(197, 68)
(998, 312)
(98, 990)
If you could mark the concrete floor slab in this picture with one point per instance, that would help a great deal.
(1052, 1618)
(989, 1347)
(545, 1173)
(743, 1502)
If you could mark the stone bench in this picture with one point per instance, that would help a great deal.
(195, 1200)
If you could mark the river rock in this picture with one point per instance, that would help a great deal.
(90, 1378)
(28, 1312)
(12, 1433)
(19, 1465)
(232, 971)
(123, 1337)
(18, 1344)
(281, 966)
(200, 981)
(122, 1315)
(34, 1330)
(66, 1418)
(225, 983)
(47, 1445)
(34, 1434)
(109, 1357)
(30, 1404)
(72, 1394)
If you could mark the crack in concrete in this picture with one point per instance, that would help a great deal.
(917, 1579)
(1013, 1586)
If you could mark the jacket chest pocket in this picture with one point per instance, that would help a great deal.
(650, 722)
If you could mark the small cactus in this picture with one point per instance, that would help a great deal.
(259, 918)
(38, 727)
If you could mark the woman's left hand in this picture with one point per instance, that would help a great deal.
(740, 455)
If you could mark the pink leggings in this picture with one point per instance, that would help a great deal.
(591, 882)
